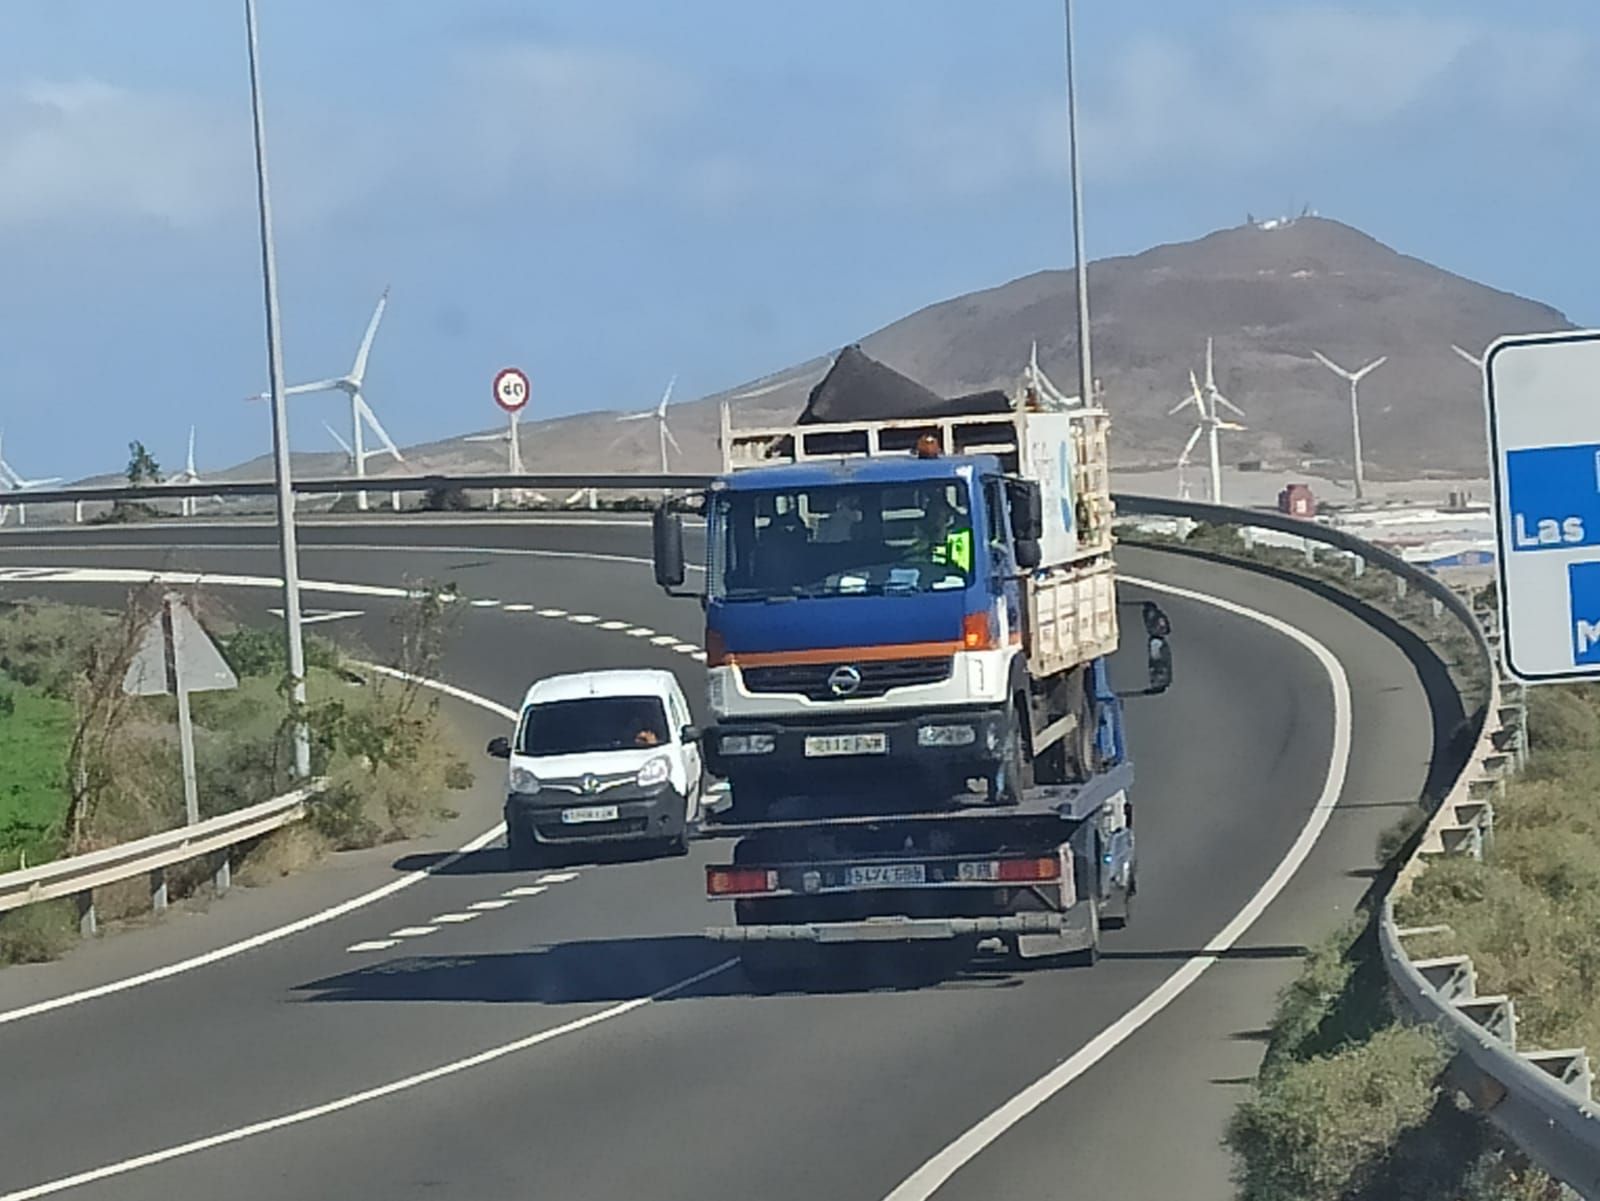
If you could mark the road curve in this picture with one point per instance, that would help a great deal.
(518, 1052)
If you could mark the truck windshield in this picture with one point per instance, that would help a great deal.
(589, 724)
(845, 540)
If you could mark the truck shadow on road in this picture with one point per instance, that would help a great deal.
(491, 861)
(622, 969)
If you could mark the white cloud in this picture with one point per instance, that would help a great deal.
(86, 148)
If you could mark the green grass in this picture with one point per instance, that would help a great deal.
(35, 732)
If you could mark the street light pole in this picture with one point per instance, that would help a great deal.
(288, 549)
(1085, 362)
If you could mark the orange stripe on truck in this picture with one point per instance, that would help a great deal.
(855, 654)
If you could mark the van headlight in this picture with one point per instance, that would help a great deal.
(747, 744)
(653, 773)
(523, 780)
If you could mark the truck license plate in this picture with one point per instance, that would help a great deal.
(886, 873)
(589, 813)
(819, 746)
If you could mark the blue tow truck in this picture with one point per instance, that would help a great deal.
(907, 626)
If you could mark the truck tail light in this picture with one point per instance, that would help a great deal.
(1046, 867)
(734, 881)
(977, 631)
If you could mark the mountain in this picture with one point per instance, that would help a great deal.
(1268, 293)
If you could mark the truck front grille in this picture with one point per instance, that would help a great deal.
(810, 680)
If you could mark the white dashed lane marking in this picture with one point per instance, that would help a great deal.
(517, 608)
(556, 877)
(412, 931)
(583, 619)
(551, 612)
(487, 906)
(641, 632)
(376, 944)
(664, 639)
(524, 890)
(453, 919)
(613, 625)
(485, 603)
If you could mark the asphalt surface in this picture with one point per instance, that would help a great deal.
(715, 1089)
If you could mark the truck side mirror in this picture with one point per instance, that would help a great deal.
(666, 531)
(1156, 622)
(1027, 510)
(1029, 553)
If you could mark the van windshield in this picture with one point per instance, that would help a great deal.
(589, 724)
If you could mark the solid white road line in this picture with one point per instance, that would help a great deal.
(374, 944)
(300, 1116)
(933, 1174)
(306, 923)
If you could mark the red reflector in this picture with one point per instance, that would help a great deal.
(730, 881)
(1043, 868)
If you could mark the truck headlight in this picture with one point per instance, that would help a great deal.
(653, 773)
(747, 744)
(963, 735)
(523, 780)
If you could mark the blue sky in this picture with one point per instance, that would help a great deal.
(606, 192)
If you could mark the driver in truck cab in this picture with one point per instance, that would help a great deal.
(936, 543)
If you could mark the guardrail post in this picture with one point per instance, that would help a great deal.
(223, 879)
(1311, 553)
(1358, 566)
(158, 889)
(1400, 587)
(88, 923)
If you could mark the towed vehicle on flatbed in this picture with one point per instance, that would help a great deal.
(908, 618)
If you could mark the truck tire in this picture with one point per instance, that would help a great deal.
(1008, 776)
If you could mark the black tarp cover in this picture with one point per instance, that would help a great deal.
(859, 388)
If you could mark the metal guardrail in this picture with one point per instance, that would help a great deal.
(79, 875)
(1541, 1100)
(232, 489)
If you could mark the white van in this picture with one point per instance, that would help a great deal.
(600, 756)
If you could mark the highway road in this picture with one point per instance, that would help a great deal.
(478, 1032)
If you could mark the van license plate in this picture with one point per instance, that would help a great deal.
(589, 813)
(886, 873)
(821, 746)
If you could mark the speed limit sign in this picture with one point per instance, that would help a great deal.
(510, 389)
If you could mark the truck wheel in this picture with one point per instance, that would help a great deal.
(1008, 777)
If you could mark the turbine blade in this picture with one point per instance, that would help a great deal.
(1330, 364)
(334, 434)
(359, 370)
(1189, 445)
(1372, 366)
(190, 462)
(321, 385)
(635, 416)
(661, 409)
(376, 426)
(1226, 403)
(1211, 375)
(671, 440)
(1229, 425)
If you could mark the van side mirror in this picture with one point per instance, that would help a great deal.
(1027, 510)
(500, 748)
(666, 532)
(690, 734)
(1029, 553)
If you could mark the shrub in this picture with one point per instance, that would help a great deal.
(36, 933)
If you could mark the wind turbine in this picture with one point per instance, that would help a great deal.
(663, 432)
(1355, 378)
(11, 481)
(188, 475)
(1207, 404)
(361, 414)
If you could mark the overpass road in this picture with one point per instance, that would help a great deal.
(575, 1036)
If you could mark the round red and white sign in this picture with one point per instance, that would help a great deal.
(510, 389)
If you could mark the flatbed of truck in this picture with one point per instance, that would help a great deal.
(1065, 802)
